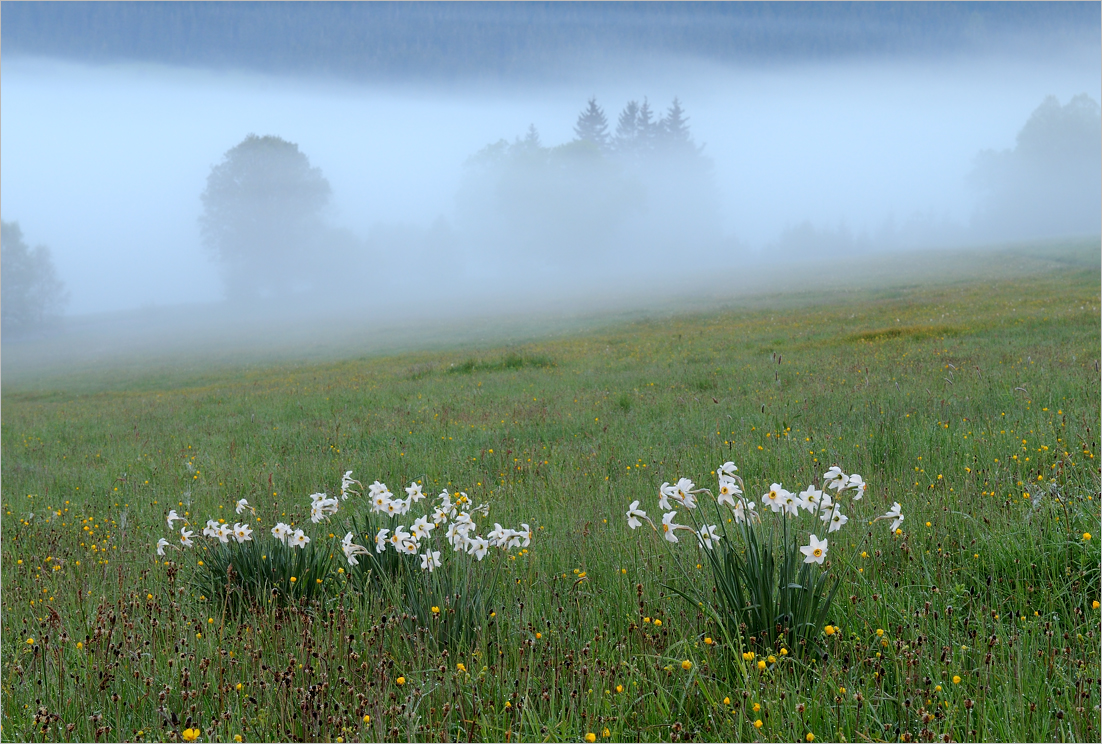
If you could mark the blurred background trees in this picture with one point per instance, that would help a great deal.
(32, 297)
(262, 218)
(1050, 183)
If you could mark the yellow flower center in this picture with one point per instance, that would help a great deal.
(818, 552)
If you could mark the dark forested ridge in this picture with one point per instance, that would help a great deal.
(500, 41)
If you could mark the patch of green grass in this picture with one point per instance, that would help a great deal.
(985, 584)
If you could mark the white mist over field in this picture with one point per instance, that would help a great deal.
(105, 164)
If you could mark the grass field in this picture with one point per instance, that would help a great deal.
(974, 404)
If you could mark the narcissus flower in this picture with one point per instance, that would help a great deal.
(893, 514)
(708, 535)
(669, 527)
(635, 515)
(161, 545)
(298, 540)
(185, 537)
(242, 505)
(242, 532)
(430, 560)
(815, 551)
(281, 532)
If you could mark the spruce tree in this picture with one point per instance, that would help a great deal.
(592, 125)
(627, 128)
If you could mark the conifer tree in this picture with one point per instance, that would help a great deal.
(592, 125)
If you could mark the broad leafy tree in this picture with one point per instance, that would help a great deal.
(261, 218)
(32, 297)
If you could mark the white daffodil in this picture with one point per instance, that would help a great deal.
(211, 530)
(161, 545)
(440, 515)
(894, 514)
(243, 532)
(281, 532)
(858, 485)
(791, 504)
(477, 546)
(665, 493)
(835, 518)
(242, 505)
(775, 499)
(744, 511)
(422, 527)
(379, 502)
(298, 539)
(498, 536)
(430, 560)
(457, 535)
(514, 538)
(322, 508)
(185, 537)
(684, 493)
(708, 535)
(403, 505)
(347, 481)
(316, 497)
(669, 528)
(380, 540)
(816, 551)
(525, 535)
(414, 491)
(351, 550)
(399, 538)
(634, 514)
(835, 478)
(728, 491)
(728, 469)
(409, 546)
(174, 517)
(223, 533)
(809, 499)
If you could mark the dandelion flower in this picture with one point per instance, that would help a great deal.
(815, 551)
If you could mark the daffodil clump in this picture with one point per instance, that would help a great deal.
(762, 565)
(453, 519)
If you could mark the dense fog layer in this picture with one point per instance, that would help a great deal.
(434, 190)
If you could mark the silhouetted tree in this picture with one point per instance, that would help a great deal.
(674, 129)
(31, 295)
(1050, 183)
(262, 215)
(592, 126)
(646, 128)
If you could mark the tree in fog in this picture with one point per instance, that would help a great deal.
(592, 126)
(261, 219)
(1050, 183)
(31, 295)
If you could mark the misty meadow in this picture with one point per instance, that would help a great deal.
(551, 372)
